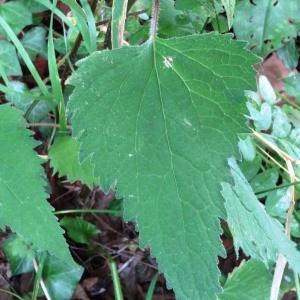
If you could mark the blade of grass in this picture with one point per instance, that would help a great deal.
(23, 53)
(11, 294)
(57, 12)
(296, 278)
(82, 23)
(37, 281)
(3, 75)
(91, 24)
(119, 10)
(115, 279)
(278, 187)
(55, 80)
(41, 281)
(151, 288)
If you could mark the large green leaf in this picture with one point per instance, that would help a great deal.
(22, 197)
(160, 120)
(251, 280)
(247, 217)
(266, 24)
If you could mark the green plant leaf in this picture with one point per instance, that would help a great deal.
(9, 60)
(25, 98)
(292, 86)
(289, 54)
(79, 230)
(64, 159)
(265, 180)
(247, 217)
(187, 17)
(23, 199)
(16, 14)
(60, 278)
(266, 24)
(229, 6)
(251, 280)
(19, 254)
(162, 133)
(34, 41)
(33, 6)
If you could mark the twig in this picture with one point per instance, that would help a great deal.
(273, 147)
(273, 159)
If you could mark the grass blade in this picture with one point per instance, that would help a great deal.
(116, 280)
(91, 24)
(56, 11)
(23, 53)
(119, 11)
(82, 23)
(55, 80)
(151, 288)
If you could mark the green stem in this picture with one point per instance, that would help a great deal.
(278, 187)
(151, 288)
(297, 284)
(54, 77)
(11, 293)
(95, 211)
(154, 20)
(116, 280)
(119, 10)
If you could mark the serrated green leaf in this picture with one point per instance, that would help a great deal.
(16, 14)
(266, 24)
(251, 280)
(23, 200)
(64, 159)
(79, 230)
(247, 217)
(162, 132)
(9, 60)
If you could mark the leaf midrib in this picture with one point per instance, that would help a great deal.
(171, 156)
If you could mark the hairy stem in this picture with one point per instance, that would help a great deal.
(154, 20)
